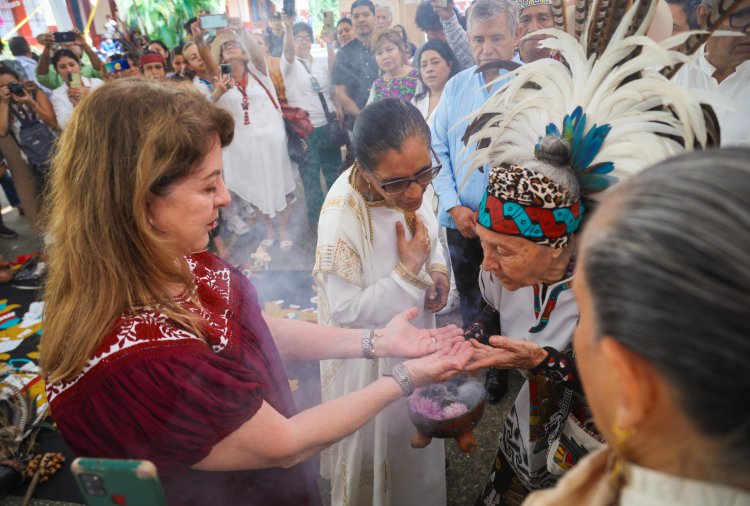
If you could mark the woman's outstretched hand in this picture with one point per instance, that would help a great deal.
(402, 339)
(441, 365)
(506, 353)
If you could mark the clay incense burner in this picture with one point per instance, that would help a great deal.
(450, 409)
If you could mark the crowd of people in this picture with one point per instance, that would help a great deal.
(536, 180)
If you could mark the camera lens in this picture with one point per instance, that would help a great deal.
(92, 484)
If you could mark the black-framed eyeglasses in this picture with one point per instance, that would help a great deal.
(422, 178)
(740, 19)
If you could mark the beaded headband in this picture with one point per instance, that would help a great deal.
(525, 203)
(522, 4)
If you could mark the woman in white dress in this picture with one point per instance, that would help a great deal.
(378, 254)
(257, 167)
(65, 98)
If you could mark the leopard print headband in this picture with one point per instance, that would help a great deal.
(525, 203)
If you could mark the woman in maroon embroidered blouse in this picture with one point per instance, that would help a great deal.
(154, 352)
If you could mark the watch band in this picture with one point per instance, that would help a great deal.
(403, 379)
(368, 344)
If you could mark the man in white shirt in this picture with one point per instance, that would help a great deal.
(20, 49)
(722, 66)
(383, 16)
(308, 86)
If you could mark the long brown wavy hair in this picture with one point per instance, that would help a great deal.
(128, 139)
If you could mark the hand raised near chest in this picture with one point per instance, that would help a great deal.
(413, 252)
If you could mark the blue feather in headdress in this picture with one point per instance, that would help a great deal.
(584, 146)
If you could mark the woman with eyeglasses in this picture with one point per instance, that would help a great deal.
(378, 253)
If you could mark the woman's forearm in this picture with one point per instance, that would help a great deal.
(212, 67)
(297, 340)
(269, 439)
(45, 110)
(4, 117)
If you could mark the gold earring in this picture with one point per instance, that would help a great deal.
(622, 436)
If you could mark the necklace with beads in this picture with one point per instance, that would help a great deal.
(245, 104)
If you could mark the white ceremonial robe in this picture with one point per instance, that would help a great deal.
(358, 286)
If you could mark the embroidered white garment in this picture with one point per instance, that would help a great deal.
(358, 286)
(517, 319)
(257, 166)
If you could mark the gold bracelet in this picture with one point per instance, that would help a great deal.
(410, 277)
(442, 268)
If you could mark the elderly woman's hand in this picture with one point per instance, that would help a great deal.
(437, 295)
(402, 339)
(506, 353)
(439, 366)
(413, 253)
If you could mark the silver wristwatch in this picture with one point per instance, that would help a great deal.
(368, 344)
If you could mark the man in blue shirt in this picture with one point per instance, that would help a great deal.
(491, 26)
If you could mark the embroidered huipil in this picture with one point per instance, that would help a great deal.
(547, 316)
(404, 87)
(156, 391)
(359, 285)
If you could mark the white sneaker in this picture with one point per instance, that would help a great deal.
(453, 303)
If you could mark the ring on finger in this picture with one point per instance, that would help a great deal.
(434, 340)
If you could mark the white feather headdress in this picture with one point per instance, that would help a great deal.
(607, 96)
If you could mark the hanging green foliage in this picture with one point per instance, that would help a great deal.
(163, 19)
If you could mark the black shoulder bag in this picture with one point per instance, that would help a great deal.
(337, 137)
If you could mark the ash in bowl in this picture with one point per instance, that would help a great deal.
(449, 399)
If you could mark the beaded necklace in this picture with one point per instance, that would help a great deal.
(242, 88)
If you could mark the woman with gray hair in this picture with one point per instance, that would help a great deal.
(662, 343)
(581, 124)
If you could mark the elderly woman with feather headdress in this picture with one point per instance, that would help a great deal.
(557, 134)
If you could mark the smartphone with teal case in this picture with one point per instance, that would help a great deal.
(107, 482)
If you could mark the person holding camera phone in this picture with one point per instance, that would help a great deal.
(30, 109)
(23, 108)
(65, 99)
(72, 41)
(257, 167)
(308, 86)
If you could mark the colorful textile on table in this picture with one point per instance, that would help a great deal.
(522, 202)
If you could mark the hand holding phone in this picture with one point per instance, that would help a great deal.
(74, 80)
(214, 21)
(289, 8)
(116, 66)
(61, 37)
(114, 481)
